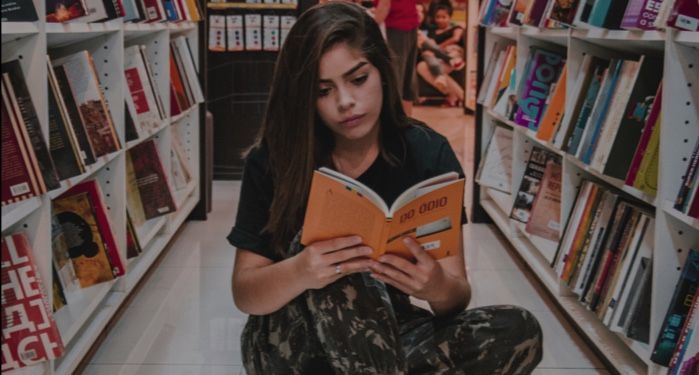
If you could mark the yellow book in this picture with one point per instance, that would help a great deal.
(194, 10)
(429, 212)
(647, 177)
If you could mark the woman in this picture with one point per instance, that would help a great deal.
(327, 308)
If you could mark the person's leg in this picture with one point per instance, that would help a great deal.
(439, 82)
(403, 45)
(357, 327)
(433, 63)
(487, 340)
(430, 45)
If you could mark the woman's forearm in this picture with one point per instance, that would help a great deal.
(455, 297)
(264, 290)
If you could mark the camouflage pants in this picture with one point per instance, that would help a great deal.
(350, 327)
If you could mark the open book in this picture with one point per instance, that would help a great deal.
(429, 211)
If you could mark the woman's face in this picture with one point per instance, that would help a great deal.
(350, 94)
(442, 19)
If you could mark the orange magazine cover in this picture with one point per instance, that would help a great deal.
(429, 211)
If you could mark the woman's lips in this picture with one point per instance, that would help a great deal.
(352, 121)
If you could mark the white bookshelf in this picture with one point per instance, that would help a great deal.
(675, 232)
(89, 310)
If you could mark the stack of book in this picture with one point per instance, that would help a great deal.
(608, 14)
(605, 257)
(129, 10)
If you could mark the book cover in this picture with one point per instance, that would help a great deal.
(62, 265)
(92, 106)
(76, 121)
(685, 337)
(529, 186)
(555, 108)
(181, 102)
(687, 179)
(153, 11)
(86, 245)
(535, 12)
(133, 246)
(563, 11)
(27, 117)
(651, 121)
(505, 76)
(677, 311)
(180, 63)
(647, 176)
(64, 10)
(18, 11)
(62, 145)
(519, 7)
(429, 212)
(489, 87)
(18, 179)
(693, 209)
(582, 15)
(579, 236)
(59, 298)
(155, 89)
(95, 11)
(130, 130)
(147, 114)
(30, 334)
(641, 14)
(545, 219)
(134, 206)
(94, 193)
(501, 13)
(616, 110)
(495, 169)
(639, 320)
(685, 15)
(153, 186)
(572, 221)
(599, 12)
(627, 138)
(190, 74)
(545, 69)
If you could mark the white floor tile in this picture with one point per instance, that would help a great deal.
(162, 370)
(562, 347)
(508, 287)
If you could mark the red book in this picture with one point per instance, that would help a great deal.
(651, 122)
(694, 205)
(153, 186)
(94, 192)
(30, 334)
(18, 180)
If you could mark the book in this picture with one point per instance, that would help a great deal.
(26, 115)
(87, 93)
(495, 169)
(529, 186)
(429, 211)
(518, 10)
(30, 334)
(62, 265)
(86, 244)
(545, 69)
(639, 322)
(59, 298)
(147, 114)
(64, 10)
(133, 246)
(545, 217)
(651, 121)
(18, 11)
(685, 15)
(572, 220)
(677, 311)
(640, 14)
(647, 175)
(67, 100)
(555, 108)
(687, 179)
(18, 179)
(134, 206)
(685, 337)
(563, 11)
(153, 187)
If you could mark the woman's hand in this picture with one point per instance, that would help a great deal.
(323, 262)
(423, 279)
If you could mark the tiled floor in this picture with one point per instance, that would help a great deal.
(183, 320)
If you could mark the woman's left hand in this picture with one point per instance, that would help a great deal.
(422, 279)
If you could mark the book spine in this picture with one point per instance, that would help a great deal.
(651, 121)
(686, 335)
(76, 121)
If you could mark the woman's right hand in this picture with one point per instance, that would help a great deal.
(318, 264)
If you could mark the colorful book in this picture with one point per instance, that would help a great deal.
(647, 176)
(652, 120)
(544, 71)
(555, 108)
(153, 187)
(545, 219)
(18, 11)
(685, 15)
(147, 114)
(640, 14)
(64, 10)
(531, 181)
(687, 179)
(30, 334)
(563, 11)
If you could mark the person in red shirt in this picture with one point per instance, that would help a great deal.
(401, 20)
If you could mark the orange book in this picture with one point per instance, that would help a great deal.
(505, 75)
(554, 111)
(579, 240)
(429, 212)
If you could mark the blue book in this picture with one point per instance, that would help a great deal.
(677, 311)
(599, 12)
(585, 110)
(598, 116)
(170, 10)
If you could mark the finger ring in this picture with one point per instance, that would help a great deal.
(338, 269)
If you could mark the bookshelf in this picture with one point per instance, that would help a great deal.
(675, 232)
(89, 310)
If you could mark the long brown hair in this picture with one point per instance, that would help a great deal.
(292, 131)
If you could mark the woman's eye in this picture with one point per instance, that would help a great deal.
(361, 79)
(324, 92)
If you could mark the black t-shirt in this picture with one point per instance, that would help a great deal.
(425, 153)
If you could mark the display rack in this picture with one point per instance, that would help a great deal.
(675, 232)
(89, 310)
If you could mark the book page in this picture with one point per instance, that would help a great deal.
(358, 186)
(420, 189)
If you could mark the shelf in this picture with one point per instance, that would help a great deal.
(688, 38)
(140, 265)
(558, 36)
(183, 114)
(532, 136)
(619, 184)
(16, 212)
(90, 170)
(149, 230)
(615, 350)
(668, 207)
(181, 26)
(259, 6)
(135, 30)
(182, 194)
(17, 30)
(150, 133)
(505, 32)
(81, 303)
(628, 40)
(500, 118)
(545, 247)
(501, 199)
(82, 28)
